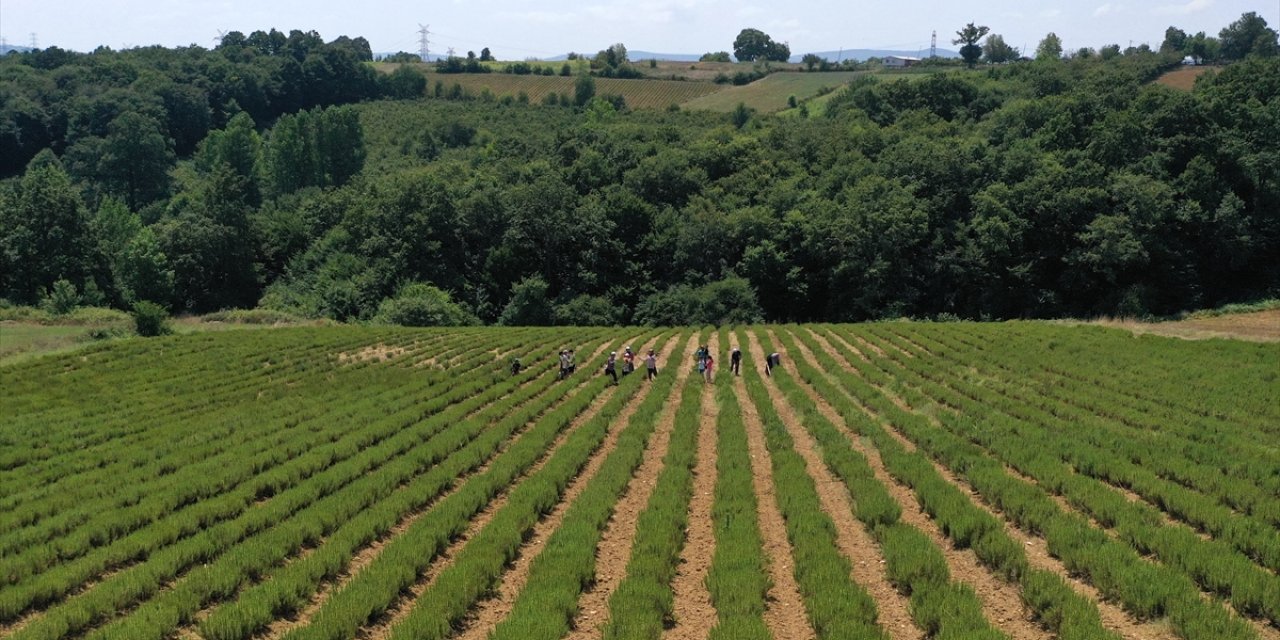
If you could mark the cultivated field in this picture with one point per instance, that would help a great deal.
(894, 480)
(770, 93)
(1185, 77)
(639, 94)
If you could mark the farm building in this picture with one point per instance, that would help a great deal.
(900, 62)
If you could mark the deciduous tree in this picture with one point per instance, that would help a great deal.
(968, 37)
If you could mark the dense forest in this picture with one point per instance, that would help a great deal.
(284, 172)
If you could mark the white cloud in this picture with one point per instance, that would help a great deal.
(1106, 9)
(540, 17)
(1192, 6)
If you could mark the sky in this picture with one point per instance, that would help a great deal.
(516, 30)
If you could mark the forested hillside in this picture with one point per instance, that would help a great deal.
(228, 178)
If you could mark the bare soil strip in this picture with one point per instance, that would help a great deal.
(614, 551)
(784, 613)
(364, 557)
(490, 612)
(1001, 602)
(892, 608)
(693, 611)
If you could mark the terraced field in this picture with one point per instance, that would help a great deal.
(897, 480)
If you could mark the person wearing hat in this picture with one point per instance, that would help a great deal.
(628, 360)
(651, 363)
(609, 366)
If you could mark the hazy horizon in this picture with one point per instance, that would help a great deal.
(513, 31)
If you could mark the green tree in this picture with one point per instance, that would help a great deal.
(45, 232)
(718, 56)
(239, 147)
(754, 44)
(136, 158)
(529, 304)
(486, 55)
(422, 305)
(1175, 41)
(1050, 48)
(584, 89)
(812, 60)
(968, 37)
(1249, 35)
(996, 51)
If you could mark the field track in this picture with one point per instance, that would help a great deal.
(895, 480)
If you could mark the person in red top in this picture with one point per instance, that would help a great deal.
(709, 366)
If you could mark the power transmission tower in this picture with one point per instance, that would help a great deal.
(424, 41)
(933, 45)
(218, 38)
(34, 43)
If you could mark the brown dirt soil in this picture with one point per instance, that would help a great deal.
(784, 613)
(854, 541)
(1260, 326)
(1113, 617)
(693, 611)
(1183, 78)
(488, 613)
(1001, 603)
(377, 352)
(619, 534)
(365, 556)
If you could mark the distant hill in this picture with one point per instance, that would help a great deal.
(863, 54)
(6, 48)
(834, 56)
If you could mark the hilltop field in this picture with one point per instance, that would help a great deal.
(1016, 480)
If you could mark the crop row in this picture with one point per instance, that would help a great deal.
(1117, 570)
(74, 434)
(371, 592)
(642, 605)
(207, 494)
(221, 579)
(152, 492)
(1155, 372)
(285, 591)
(737, 580)
(143, 426)
(1213, 564)
(1141, 466)
(545, 608)
(1172, 444)
(837, 606)
(325, 493)
(1055, 605)
(914, 564)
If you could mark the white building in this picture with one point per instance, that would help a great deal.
(900, 62)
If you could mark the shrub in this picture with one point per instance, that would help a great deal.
(150, 319)
(422, 305)
(62, 299)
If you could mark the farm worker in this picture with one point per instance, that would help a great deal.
(772, 361)
(609, 368)
(711, 363)
(651, 363)
(564, 365)
(628, 361)
(735, 360)
(573, 366)
(515, 366)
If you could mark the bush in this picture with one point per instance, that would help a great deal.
(422, 305)
(62, 299)
(150, 319)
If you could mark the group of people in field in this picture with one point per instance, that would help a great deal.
(704, 361)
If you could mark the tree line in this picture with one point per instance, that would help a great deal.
(1042, 189)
